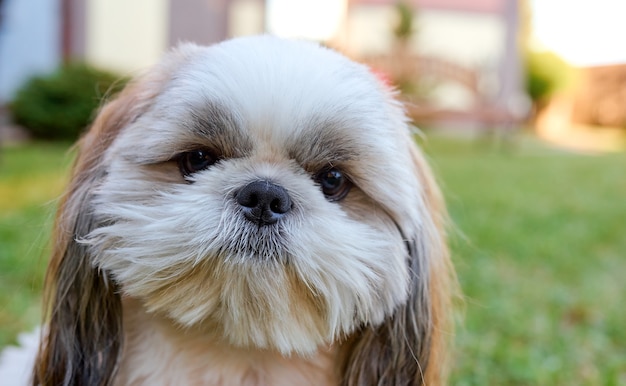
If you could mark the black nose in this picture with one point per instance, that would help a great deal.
(263, 202)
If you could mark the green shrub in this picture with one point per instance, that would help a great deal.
(546, 74)
(62, 104)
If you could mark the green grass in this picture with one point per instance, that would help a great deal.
(539, 245)
(540, 252)
(31, 178)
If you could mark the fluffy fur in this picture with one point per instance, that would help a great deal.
(158, 277)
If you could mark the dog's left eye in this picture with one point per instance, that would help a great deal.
(193, 161)
(335, 185)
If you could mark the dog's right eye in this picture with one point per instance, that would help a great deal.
(335, 185)
(193, 161)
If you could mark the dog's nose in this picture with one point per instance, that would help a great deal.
(263, 202)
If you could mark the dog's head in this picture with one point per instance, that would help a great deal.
(267, 191)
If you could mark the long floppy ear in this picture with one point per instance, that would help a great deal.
(410, 347)
(82, 338)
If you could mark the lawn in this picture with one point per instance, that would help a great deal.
(540, 251)
(31, 179)
(538, 242)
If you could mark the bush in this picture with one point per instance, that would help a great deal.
(62, 104)
(546, 74)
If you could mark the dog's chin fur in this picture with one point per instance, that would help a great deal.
(164, 278)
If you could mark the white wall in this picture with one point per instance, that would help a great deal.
(126, 35)
(470, 39)
(246, 17)
(30, 42)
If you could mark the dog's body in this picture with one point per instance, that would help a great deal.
(251, 213)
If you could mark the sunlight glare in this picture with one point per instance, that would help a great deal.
(583, 32)
(309, 19)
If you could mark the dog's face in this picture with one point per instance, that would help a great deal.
(264, 191)
(261, 194)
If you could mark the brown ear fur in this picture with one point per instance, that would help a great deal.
(83, 335)
(410, 347)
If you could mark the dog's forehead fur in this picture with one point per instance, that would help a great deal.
(280, 88)
(272, 92)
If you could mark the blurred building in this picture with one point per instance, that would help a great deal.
(30, 33)
(462, 61)
(467, 49)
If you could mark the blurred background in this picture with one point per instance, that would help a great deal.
(521, 106)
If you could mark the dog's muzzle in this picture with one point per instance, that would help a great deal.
(263, 202)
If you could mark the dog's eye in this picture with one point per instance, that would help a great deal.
(334, 184)
(193, 161)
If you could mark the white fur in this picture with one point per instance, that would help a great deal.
(16, 362)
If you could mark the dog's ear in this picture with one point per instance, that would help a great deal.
(410, 347)
(82, 338)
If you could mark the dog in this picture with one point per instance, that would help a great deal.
(254, 212)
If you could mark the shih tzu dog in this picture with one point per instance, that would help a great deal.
(251, 213)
